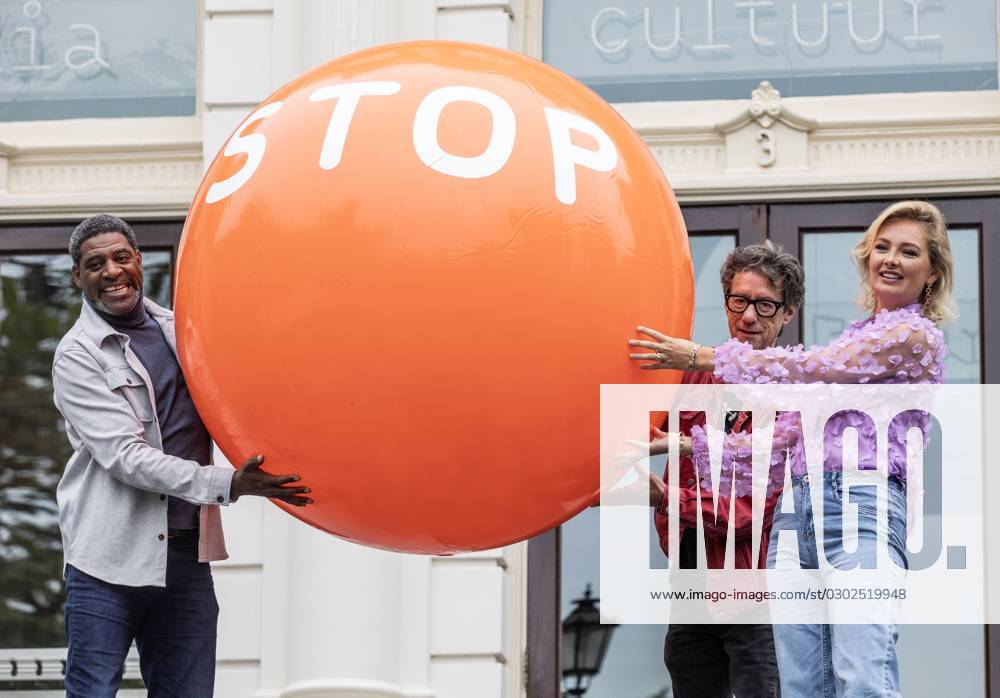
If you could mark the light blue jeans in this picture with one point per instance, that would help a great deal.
(839, 660)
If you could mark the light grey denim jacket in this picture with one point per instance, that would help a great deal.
(113, 495)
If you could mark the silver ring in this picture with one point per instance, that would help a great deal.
(660, 358)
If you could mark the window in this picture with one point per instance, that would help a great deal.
(832, 284)
(64, 59)
(38, 305)
(708, 252)
(631, 51)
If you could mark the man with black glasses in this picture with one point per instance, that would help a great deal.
(763, 288)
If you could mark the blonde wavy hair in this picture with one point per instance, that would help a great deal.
(941, 307)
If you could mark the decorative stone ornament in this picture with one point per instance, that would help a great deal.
(765, 107)
(769, 122)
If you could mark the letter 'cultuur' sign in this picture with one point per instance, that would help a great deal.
(406, 276)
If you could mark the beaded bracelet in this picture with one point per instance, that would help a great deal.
(694, 353)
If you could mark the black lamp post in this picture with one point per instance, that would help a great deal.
(584, 644)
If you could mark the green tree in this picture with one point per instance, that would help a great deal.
(37, 309)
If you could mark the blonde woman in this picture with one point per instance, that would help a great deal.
(905, 264)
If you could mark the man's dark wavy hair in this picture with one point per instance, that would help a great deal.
(771, 261)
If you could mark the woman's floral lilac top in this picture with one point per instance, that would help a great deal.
(898, 346)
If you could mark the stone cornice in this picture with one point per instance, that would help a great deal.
(847, 112)
(49, 182)
(770, 148)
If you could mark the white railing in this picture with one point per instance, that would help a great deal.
(48, 664)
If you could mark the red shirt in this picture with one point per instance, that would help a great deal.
(694, 500)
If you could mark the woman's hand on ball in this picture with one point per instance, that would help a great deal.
(659, 445)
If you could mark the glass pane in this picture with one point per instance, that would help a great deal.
(832, 287)
(631, 51)
(63, 59)
(633, 665)
(708, 252)
(38, 304)
(964, 360)
(924, 651)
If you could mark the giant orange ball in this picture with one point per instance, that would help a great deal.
(405, 278)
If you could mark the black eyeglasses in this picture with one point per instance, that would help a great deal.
(762, 306)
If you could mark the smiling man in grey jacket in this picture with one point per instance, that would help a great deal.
(139, 499)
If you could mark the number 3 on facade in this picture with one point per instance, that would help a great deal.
(767, 147)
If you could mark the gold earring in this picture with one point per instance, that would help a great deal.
(927, 298)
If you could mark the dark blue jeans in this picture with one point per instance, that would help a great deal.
(174, 628)
(718, 661)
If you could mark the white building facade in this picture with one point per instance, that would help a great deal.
(306, 615)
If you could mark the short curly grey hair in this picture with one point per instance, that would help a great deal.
(772, 262)
(95, 225)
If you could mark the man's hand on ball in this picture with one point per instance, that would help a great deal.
(250, 480)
